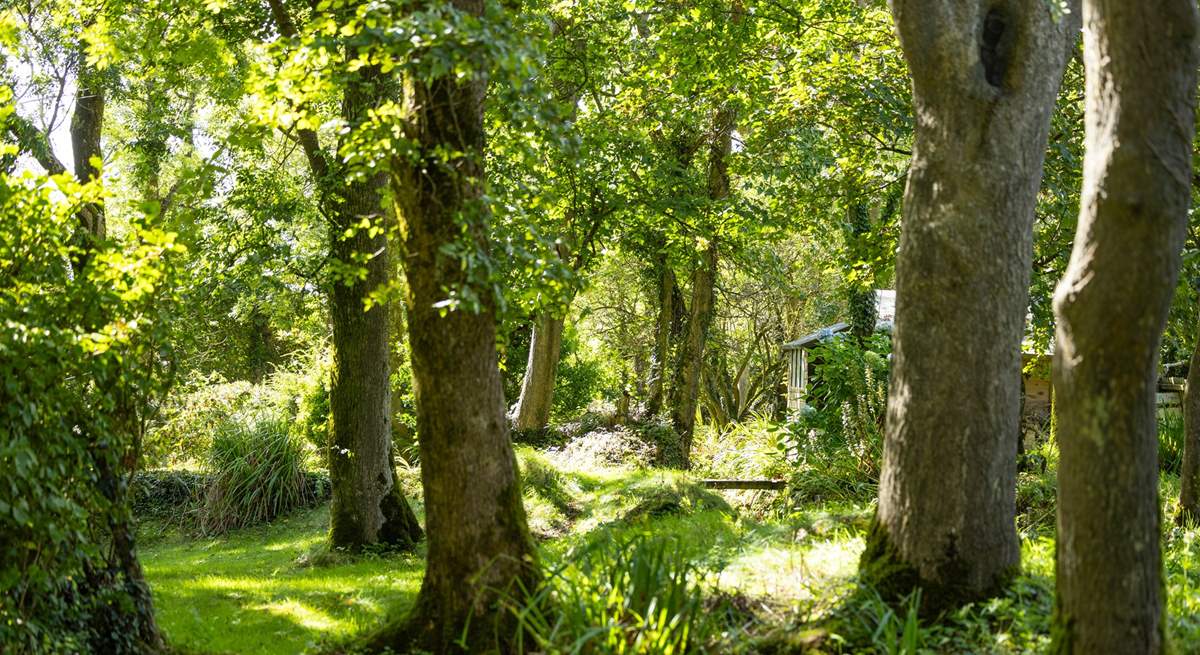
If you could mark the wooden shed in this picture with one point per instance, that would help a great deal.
(797, 351)
(1035, 373)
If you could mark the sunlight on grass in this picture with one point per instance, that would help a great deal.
(305, 616)
(247, 594)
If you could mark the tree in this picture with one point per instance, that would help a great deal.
(685, 392)
(1189, 474)
(1111, 307)
(479, 543)
(984, 84)
(368, 506)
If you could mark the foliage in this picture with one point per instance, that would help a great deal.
(639, 596)
(204, 406)
(1171, 437)
(836, 444)
(82, 357)
(257, 473)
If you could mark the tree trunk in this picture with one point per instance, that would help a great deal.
(985, 77)
(685, 392)
(479, 543)
(1189, 476)
(367, 506)
(537, 387)
(87, 124)
(666, 286)
(1110, 310)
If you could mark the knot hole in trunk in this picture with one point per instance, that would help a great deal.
(995, 46)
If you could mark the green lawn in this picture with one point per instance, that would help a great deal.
(256, 590)
(250, 592)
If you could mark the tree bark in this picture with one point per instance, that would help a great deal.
(1189, 476)
(663, 330)
(87, 123)
(367, 507)
(537, 387)
(480, 549)
(685, 393)
(1110, 310)
(985, 77)
(689, 363)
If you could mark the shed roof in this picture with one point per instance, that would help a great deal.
(885, 317)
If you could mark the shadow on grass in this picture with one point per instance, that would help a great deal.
(247, 593)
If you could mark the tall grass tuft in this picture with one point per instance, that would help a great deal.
(1171, 436)
(639, 596)
(257, 473)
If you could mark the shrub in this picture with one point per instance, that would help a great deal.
(195, 413)
(635, 596)
(836, 445)
(257, 473)
(84, 353)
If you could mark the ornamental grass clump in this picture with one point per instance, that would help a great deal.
(257, 474)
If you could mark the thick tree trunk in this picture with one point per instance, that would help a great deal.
(479, 543)
(663, 331)
(985, 77)
(1110, 310)
(1189, 476)
(367, 507)
(537, 387)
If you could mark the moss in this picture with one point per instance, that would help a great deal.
(884, 568)
(1060, 629)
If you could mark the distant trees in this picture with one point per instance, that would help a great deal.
(984, 77)
(1111, 307)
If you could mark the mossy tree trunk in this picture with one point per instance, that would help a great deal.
(667, 288)
(537, 387)
(1110, 310)
(368, 507)
(689, 360)
(1189, 476)
(479, 543)
(685, 392)
(985, 76)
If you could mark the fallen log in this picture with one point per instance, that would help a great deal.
(744, 484)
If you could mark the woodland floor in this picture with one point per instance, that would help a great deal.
(271, 589)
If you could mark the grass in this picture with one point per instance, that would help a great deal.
(250, 592)
(772, 581)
